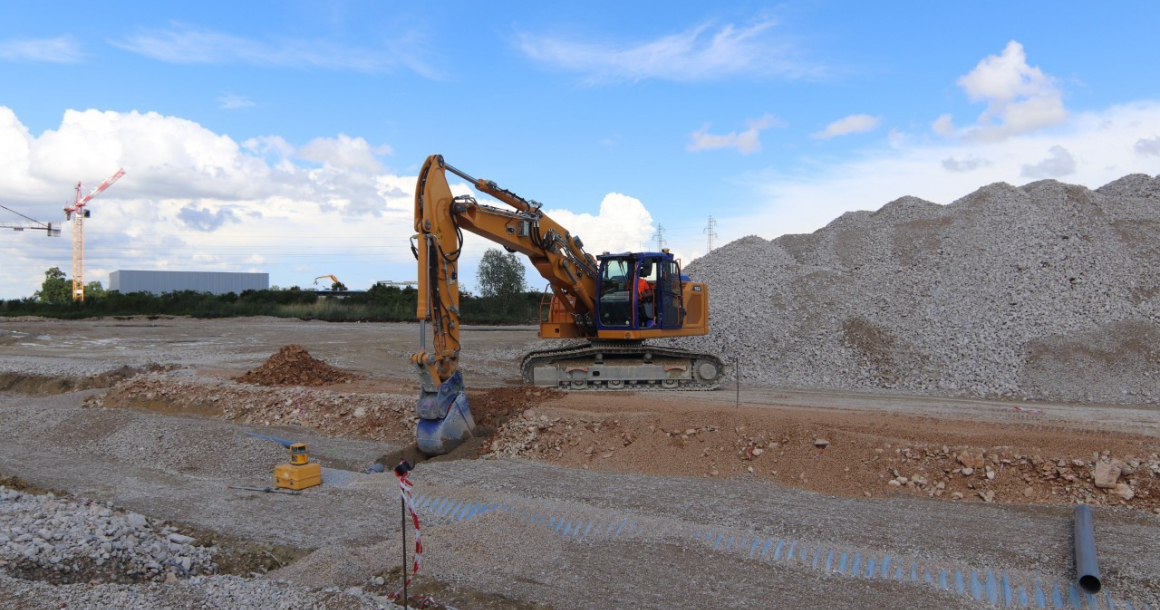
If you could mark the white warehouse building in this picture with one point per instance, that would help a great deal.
(214, 282)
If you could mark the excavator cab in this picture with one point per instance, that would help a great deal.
(639, 291)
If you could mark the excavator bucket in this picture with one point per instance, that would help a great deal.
(444, 419)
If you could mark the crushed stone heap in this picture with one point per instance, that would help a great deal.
(1048, 291)
(293, 365)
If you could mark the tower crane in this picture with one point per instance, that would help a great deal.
(78, 213)
(36, 226)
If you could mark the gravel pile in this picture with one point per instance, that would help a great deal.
(206, 592)
(1047, 291)
(58, 552)
(293, 365)
(76, 540)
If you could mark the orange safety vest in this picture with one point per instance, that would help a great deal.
(643, 287)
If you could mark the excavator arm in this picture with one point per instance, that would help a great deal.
(440, 219)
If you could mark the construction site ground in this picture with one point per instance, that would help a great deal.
(750, 497)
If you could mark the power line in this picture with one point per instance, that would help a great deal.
(709, 230)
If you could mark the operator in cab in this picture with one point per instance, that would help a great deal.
(644, 291)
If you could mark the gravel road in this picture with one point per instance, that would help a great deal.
(523, 532)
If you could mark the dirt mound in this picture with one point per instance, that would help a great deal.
(293, 365)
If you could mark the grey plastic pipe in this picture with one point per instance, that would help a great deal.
(1087, 569)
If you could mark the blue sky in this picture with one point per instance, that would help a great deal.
(285, 136)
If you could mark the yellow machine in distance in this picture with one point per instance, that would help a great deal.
(300, 473)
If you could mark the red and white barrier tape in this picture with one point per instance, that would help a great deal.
(405, 493)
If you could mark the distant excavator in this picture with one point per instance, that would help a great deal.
(334, 286)
(615, 301)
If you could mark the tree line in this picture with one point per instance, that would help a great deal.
(503, 299)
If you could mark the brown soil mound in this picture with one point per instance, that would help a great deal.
(293, 365)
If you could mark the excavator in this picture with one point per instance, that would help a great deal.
(335, 284)
(614, 301)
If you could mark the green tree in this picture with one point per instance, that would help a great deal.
(94, 290)
(56, 287)
(500, 274)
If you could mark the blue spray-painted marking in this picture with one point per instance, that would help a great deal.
(926, 577)
(777, 553)
(608, 529)
(1040, 598)
(960, 586)
(453, 508)
(976, 586)
(708, 536)
(463, 513)
(765, 547)
(552, 522)
(752, 548)
(744, 541)
(622, 524)
(560, 524)
(830, 561)
(716, 543)
(1073, 597)
(1005, 583)
(885, 566)
(1056, 596)
(1023, 600)
(1111, 604)
(842, 564)
(792, 546)
(817, 557)
(729, 545)
(992, 588)
(857, 568)
(588, 529)
(898, 572)
(870, 568)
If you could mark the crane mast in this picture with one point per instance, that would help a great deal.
(78, 212)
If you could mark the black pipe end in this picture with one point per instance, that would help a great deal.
(1090, 584)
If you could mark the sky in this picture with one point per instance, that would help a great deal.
(285, 137)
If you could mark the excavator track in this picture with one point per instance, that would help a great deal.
(623, 366)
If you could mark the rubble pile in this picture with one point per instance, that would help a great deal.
(998, 475)
(377, 416)
(1047, 291)
(799, 457)
(75, 540)
(293, 365)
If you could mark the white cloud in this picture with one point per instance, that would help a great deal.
(791, 203)
(968, 164)
(1059, 163)
(192, 199)
(59, 50)
(943, 125)
(748, 141)
(230, 101)
(343, 152)
(855, 123)
(1020, 98)
(1148, 146)
(701, 53)
(183, 44)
